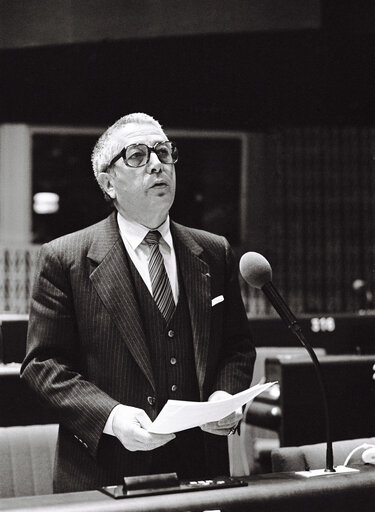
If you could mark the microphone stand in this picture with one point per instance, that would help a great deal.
(290, 320)
(257, 272)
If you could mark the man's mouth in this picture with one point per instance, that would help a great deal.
(159, 184)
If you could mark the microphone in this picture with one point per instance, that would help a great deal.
(257, 272)
(364, 295)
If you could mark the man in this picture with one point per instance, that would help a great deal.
(121, 321)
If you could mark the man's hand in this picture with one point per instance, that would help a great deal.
(129, 424)
(224, 426)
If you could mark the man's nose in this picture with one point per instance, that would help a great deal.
(154, 164)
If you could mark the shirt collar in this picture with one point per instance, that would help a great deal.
(134, 232)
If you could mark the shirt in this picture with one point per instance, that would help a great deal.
(139, 251)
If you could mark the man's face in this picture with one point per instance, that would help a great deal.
(143, 194)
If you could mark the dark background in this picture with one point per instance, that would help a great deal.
(242, 81)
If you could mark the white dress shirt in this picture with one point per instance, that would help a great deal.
(132, 235)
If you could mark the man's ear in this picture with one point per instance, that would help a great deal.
(106, 182)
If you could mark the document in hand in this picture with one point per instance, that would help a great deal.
(179, 415)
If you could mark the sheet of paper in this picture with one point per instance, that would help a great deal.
(179, 415)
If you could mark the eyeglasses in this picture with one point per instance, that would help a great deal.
(137, 155)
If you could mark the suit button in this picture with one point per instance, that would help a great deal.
(174, 387)
(173, 360)
(171, 333)
(151, 400)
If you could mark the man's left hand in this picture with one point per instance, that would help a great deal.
(225, 426)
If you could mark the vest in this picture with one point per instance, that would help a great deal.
(193, 454)
(170, 345)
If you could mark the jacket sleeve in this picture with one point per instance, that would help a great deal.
(237, 357)
(51, 366)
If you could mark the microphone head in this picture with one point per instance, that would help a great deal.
(255, 269)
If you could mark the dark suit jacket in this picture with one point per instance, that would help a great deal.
(87, 350)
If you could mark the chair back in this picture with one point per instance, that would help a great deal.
(26, 459)
(313, 456)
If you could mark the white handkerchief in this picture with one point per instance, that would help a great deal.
(217, 299)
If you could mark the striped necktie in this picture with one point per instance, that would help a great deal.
(161, 287)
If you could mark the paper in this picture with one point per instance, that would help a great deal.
(178, 415)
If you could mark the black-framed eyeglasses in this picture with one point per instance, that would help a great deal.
(137, 155)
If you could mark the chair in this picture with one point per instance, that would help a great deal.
(313, 456)
(26, 459)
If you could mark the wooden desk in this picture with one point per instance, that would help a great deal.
(278, 492)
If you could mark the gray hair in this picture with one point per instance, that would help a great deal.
(103, 150)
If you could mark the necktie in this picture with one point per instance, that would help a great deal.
(161, 287)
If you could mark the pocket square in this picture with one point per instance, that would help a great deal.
(217, 299)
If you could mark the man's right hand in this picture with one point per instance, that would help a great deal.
(129, 426)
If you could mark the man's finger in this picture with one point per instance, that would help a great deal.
(153, 440)
(231, 419)
(143, 418)
(216, 431)
(138, 439)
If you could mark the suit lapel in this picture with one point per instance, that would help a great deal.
(197, 282)
(112, 281)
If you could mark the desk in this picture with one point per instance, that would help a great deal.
(277, 492)
(13, 333)
(300, 415)
(341, 333)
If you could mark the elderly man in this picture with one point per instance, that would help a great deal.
(129, 313)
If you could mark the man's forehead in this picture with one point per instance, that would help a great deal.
(133, 133)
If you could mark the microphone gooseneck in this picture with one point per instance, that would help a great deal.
(257, 272)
